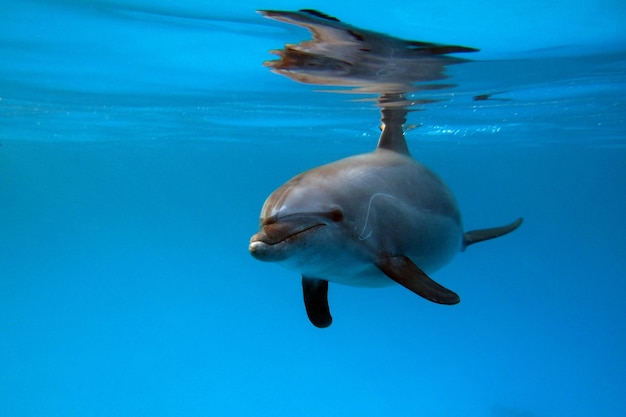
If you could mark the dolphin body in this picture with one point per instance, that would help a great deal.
(369, 220)
(373, 219)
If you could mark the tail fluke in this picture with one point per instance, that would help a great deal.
(479, 235)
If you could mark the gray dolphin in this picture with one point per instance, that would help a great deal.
(369, 220)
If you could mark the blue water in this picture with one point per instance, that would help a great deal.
(139, 139)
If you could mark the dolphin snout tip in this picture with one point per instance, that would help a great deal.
(255, 247)
(261, 250)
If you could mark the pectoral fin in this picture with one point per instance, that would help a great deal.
(403, 271)
(316, 301)
(475, 236)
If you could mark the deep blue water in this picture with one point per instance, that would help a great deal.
(140, 139)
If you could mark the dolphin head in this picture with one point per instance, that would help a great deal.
(295, 219)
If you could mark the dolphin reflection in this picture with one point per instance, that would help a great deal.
(343, 55)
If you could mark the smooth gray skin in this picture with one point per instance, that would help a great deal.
(332, 222)
(367, 220)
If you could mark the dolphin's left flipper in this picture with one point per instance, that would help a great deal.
(315, 293)
(403, 271)
(475, 236)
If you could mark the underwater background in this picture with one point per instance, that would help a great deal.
(139, 139)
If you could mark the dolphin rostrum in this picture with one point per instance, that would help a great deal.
(368, 220)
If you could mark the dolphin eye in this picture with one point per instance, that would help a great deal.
(336, 215)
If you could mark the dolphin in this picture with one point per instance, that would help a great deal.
(368, 220)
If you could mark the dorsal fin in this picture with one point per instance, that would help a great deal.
(393, 116)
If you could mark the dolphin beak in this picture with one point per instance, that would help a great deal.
(260, 250)
(273, 241)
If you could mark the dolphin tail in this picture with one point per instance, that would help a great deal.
(479, 235)
(315, 293)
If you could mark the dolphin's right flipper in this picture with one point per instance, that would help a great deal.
(316, 301)
(475, 236)
(403, 271)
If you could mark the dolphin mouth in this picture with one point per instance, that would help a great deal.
(273, 241)
(276, 233)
